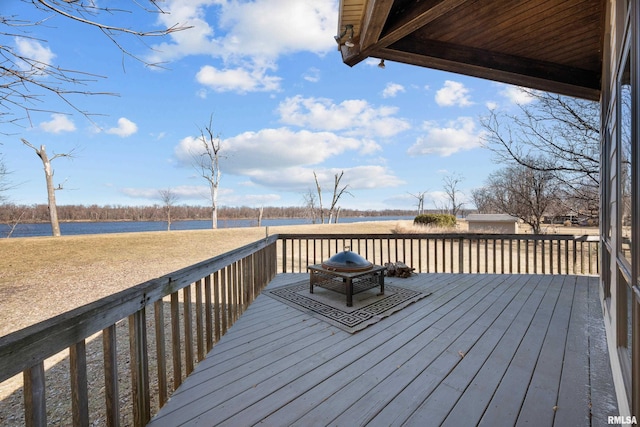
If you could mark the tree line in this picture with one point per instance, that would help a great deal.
(550, 148)
(12, 213)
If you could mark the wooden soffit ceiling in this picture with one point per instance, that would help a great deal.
(551, 45)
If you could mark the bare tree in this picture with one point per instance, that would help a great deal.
(5, 184)
(337, 193)
(483, 200)
(522, 192)
(451, 188)
(25, 79)
(51, 189)
(563, 131)
(169, 199)
(420, 203)
(319, 191)
(310, 207)
(207, 163)
(260, 213)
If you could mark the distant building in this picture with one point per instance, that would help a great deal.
(493, 223)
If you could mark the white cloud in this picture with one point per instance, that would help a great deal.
(273, 149)
(245, 41)
(301, 178)
(238, 79)
(354, 117)
(453, 94)
(125, 128)
(292, 26)
(58, 123)
(285, 159)
(36, 51)
(516, 95)
(198, 39)
(369, 147)
(392, 89)
(184, 192)
(458, 135)
(312, 75)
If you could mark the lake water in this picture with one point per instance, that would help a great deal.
(72, 228)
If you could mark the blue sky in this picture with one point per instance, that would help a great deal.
(282, 101)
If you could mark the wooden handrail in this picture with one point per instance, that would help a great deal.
(25, 350)
(451, 252)
(22, 349)
(224, 286)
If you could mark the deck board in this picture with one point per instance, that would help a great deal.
(573, 395)
(476, 397)
(541, 397)
(483, 349)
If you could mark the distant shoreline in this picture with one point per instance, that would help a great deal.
(71, 221)
(83, 227)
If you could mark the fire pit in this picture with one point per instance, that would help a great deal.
(347, 262)
(348, 273)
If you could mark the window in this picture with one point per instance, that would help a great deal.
(625, 206)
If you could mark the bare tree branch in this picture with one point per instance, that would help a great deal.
(319, 190)
(555, 134)
(26, 81)
(207, 163)
(519, 191)
(420, 203)
(51, 189)
(450, 186)
(169, 198)
(337, 193)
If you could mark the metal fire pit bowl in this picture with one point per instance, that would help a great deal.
(348, 262)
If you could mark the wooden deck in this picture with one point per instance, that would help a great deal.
(481, 350)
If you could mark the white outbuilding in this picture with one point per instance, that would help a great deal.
(492, 223)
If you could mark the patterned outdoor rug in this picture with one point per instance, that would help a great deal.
(368, 308)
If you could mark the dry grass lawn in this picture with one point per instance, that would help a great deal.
(41, 277)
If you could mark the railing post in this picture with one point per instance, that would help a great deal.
(428, 253)
(79, 393)
(544, 270)
(575, 256)
(111, 375)
(199, 322)
(158, 313)
(284, 255)
(139, 368)
(460, 255)
(35, 405)
(175, 341)
(188, 329)
(502, 256)
(217, 315)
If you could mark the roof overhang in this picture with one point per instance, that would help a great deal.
(550, 45)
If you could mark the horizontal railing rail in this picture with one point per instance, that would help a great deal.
(223, 286)
(450, 252)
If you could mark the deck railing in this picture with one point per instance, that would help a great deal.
(223, 287)
(450, 253)
(178, 317)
